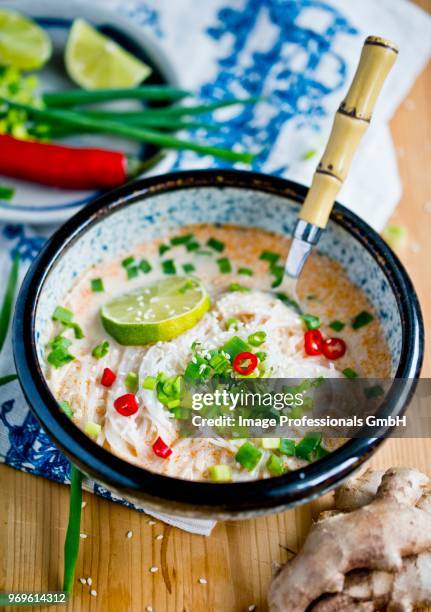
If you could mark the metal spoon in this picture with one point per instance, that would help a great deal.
(350, 123)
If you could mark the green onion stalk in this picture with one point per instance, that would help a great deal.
(71, 543)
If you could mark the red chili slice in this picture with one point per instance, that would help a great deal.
(333, 348)
(108, 377)
(244, 370)
(313, 342)
(126, 404)
(161, 449)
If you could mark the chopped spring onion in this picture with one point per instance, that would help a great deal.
(59, 355)
(189, 284)
(220, 473)
(270, 443)
(248, 456)
(337, 326)
(234, 346)
(278, 273)
(269, 256)
(396, 236)
(245, 271)
(193, 245)
(261, 355)
(257, 338)
(145, 266)
(238, 287)
(287, 447)
(305, 448)
(232, 323)
(163, 248)
(168, 267)
(149, 383)
(101, 350)
(374, 391)
(92, 429)
(188, 268)
(286, 299)
(215, 244)
(6, 193)
(362, 319)
(131, 382)
(224, 265)
(275, 465)
(8, 300)
(176, 240)
(132, 272)
(66, 408)
(97, 285)
(65, 317)
(311, 321)
(349, 373)
(309, 154)
(129, 261)
(4, 380)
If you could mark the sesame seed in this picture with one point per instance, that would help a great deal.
(83, 536)
(129, 534)
(82, 581)
(202, 581)
(89, 581)
(93, 592)
(154, 569)
(251, 608)
(159, 537)
(151, 522)
(148, 609)
(83, 504)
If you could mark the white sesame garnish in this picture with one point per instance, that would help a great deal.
(129, 534)
(89, 581)
(93, 592)
(159, 537)
(203, 581)
(82, 581)
(83, 504)
(154, 569)
(148, 609)
(251, 608)
(83, 536)
(151, 522)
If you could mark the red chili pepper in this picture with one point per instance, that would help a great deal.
(126, 404)
(60, 166)
(313, 341)
(161, 449)
(246, 369)
(333, 348)
(108, 377)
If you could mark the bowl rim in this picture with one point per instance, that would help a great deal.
(291, 488)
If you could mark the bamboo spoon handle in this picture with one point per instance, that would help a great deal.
(350, 123)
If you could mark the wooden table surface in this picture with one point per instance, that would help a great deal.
(237, 559)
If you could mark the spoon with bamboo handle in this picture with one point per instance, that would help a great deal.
(350, 123)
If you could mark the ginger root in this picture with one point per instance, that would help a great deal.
(389, 535)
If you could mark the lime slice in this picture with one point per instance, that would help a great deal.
(94, 61)
(23, 44)
(160, 311)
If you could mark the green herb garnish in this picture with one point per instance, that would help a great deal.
(177, 240)
(97, 285)
(4, 380)
(224, 265)
(248, 456)
(257, 338)
(59, 355)
(149, 383)
(305, 448)
(71, 544)
(6, 193)
(145, 266)
(188, 268)
(215, 244)
(66, 408)
(309, 154)
(245, 271)
(235, 345)
(286, 299)
(6, 308)
(129, 261)
(232, 323)
(337, 325)
(363, 318)
(163, 248)
(131, 381)
(311, 321)
(349, 373)
(193, 245)
(168, 267)
(65, 317)
(269, 256)
(238, 287)
(287, 447)
(101, 350)
(132, 272)
(374, 391)
(275, 465)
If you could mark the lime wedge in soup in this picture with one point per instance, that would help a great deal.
(23, 44)
(159, 311)
(95, 61)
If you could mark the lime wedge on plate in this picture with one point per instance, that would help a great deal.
(95, 61)
(23, 44)
(160, 311)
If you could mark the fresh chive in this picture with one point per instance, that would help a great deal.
(257, 338)
(248, 456)
(163, 248)
(287, 447)
(235, 345)
(101, 350)
(177, 240)
(168, 267)
(129, 261)
(4, 380)
(363, 318)
(275, 465)
(311, 296)
(145, 266)
(62, 315)
(238, 287)
(149, 383)
(305, 448)
(337, 325)
(132, 272)
(193, 245)
(278, 273)
(245, 271)
(74, 97)
(374, 391)
(311, 321)
(59, 355)
(349, 373)
(6, 309)
(131, 381)
(261, 355)
(66, 408)
(321, 452)
(71, 544)
(224, 265)
(286, 299)
(269, 256)
(215, 244)
(6, 193)
(97, 285)
(188, 268)
(232, 323)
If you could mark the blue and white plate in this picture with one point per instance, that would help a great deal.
(38, 204)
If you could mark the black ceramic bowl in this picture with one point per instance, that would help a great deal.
(112, 225)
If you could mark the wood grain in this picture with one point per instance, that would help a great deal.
(237, 559)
